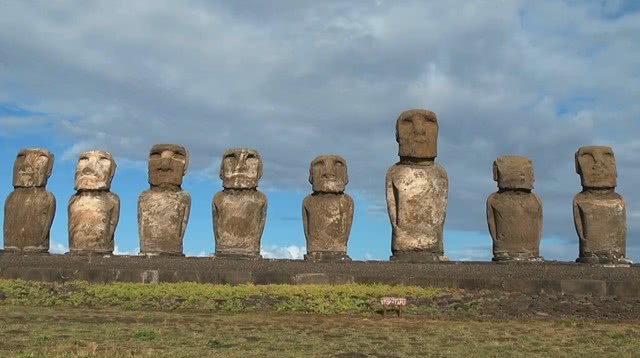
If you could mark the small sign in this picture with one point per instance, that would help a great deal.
(395, 303)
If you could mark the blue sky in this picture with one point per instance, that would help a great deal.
(298, 79)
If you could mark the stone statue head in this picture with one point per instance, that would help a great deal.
(328, 174)
(241, 168)
(596, 166)
(94, 171)
(168, 164)
(32, 168)
(513, 172)
(417, 134)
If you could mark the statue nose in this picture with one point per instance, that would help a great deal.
(86, 170)
(165, 164)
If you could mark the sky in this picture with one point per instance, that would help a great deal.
(296, 79)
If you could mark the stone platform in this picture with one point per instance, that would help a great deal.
(530, 278)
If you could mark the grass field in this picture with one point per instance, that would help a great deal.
(75, 332)
(188, 320)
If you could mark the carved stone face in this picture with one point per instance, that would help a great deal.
(328, 174)
(513, 172)
(167, 164)
(94, 171)
(417, 134)
(32, 168)
(596, 166)
(241, 168)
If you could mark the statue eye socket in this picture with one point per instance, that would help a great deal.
(178, 156)
(154, 156)
(251, 156)
(340, 164)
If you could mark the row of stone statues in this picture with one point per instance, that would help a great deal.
(416, 194)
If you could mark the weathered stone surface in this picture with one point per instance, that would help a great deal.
(239, 210)
(417, 190)
(327, 213)
(417, 134)
(241, 168)
(513, 172)
(238, 218)
(29, 210)
(163, 210)
(514, 213)
(93, 211)
(599, 212)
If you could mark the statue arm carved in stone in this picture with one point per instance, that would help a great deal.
(541, 216)
(263, 219)
(184, 215)
(140, 226)
(491, 219)
(305, 219)
(48, 214)
(350, 209)
(72, 202)
(217, 214)
(115, 214)
(577, 219)
(391, 193)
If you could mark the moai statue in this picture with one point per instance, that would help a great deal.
(163, 210)
(327, 214)
(599, 212)
(417, 190)
(93, 210)
(239, 210)
(514, 213)
(30, 208)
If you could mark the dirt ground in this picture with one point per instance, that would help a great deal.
(517, 306)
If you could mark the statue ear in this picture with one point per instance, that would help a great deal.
(577, 163)
(113, 168)
(186, 161)
(50, 165)
(259, 167)
(495, 170)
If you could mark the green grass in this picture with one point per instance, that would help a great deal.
(325, 299)
(79, 332)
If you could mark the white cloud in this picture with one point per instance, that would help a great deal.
(57, 248)
(134, 252)
(291, 252)
(198, 254)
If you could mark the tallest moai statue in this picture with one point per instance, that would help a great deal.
(417, 190)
